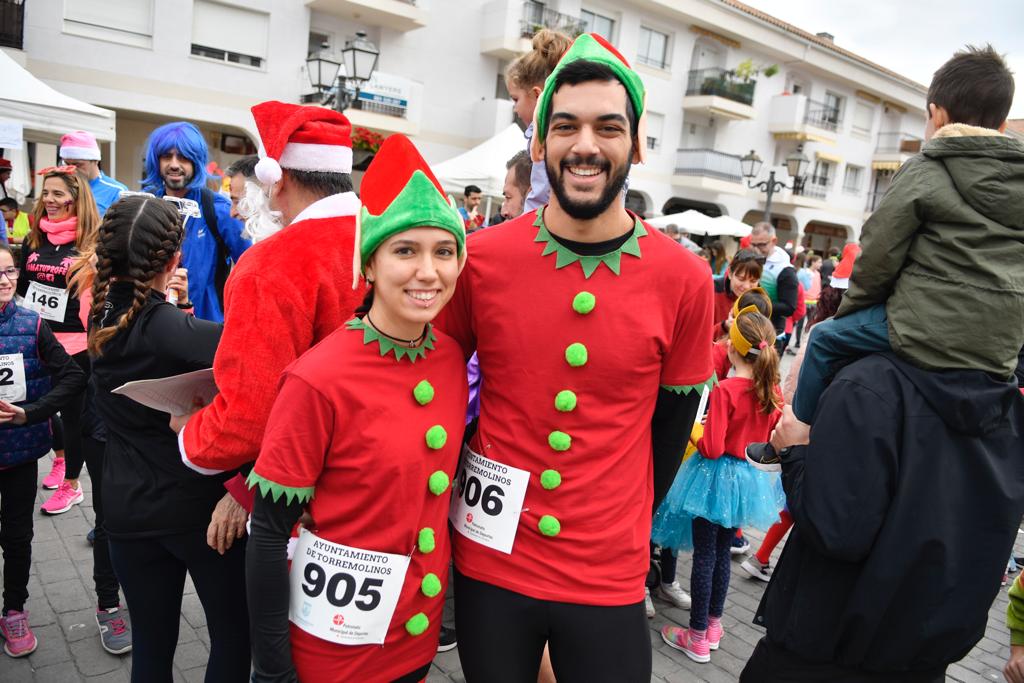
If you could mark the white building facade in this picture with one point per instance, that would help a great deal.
(439, 80)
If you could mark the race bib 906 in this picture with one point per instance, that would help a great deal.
(488, 501)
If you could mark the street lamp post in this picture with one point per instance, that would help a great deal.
(360, 58)
(796, 163)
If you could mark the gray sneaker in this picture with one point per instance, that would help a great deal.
(115, 630)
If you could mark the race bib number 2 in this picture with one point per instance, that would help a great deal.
(342, 594)
(488, 501)
(49, 302)
(13, 387)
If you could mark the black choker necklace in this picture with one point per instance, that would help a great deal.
(411, 343)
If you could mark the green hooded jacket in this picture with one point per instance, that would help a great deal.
(945, 252)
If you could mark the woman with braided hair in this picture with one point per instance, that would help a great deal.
(157, 523)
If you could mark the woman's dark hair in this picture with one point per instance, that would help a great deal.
(364, 308)
(718, 258)
(137, 239)
(974, 87)
(747, 262)
(828, 304)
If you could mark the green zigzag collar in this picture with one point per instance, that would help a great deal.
(566, 256)
(683, 390)
(387, 346)
(274, 491)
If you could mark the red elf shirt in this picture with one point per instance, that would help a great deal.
(628, 322)
(350, 426)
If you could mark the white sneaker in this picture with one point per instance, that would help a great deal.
(648, 603)
(759, 571)
(674, 593)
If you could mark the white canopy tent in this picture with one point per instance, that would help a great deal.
(483, 165)
(697, 223)
(44, 115)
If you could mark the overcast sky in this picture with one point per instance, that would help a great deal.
(913, 37)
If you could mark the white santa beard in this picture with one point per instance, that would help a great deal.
(260, 221)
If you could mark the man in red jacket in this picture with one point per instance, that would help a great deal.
(289, 292)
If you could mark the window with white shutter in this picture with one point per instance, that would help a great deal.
(863, 118)
(123, 21)
(246, 41)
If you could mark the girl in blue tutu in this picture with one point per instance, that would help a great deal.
(717, 490)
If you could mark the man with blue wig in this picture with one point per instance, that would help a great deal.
(176, 157)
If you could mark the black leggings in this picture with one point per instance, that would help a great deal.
(502, 636)
(17, 503)
(68, 427)
(709, 576)
(102, 569)
(152, 574)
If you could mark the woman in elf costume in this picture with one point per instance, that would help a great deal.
(365, 435)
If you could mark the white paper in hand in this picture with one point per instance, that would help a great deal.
(172, 395)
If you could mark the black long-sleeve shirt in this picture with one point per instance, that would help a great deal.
(787, 291)
(67, 379)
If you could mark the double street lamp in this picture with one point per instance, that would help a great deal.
(796, 165)
(360, 58)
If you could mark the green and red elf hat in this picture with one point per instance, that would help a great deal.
(592, 48)
(399, 192)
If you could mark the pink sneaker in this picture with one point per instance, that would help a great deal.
(62, 499)
(56, 475)
(20, 640)
(715, 633)
(688, 642)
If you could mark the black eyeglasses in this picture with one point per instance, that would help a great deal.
(11, 273)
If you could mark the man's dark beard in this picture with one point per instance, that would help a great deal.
(586, 210)
(184, 182)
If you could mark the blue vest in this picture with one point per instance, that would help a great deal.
(18, 334)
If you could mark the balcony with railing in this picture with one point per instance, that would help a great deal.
(12, 23)
(509, 25)
(822, 115)
(717, 91)
(399, 15)
(814, 187)
(387, 103)
(708, 169)
(795, 117)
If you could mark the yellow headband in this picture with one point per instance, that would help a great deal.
(739, 342)
(736, 304)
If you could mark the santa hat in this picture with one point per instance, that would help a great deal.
(841, 275)
(301, 138)
(399, 192)
(79, 145)
(592, 48)
(5, 164)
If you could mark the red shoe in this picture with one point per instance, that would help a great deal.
(688, 642)
(18, 637)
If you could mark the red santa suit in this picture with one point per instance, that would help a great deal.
(287, 293)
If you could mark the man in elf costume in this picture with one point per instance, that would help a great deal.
(289, 292)
(593, 331)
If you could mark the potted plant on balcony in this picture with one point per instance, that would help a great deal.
(365, 144)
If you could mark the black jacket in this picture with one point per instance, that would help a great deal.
(906, 505)
(154, 492)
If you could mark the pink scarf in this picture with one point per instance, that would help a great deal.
(60, 232)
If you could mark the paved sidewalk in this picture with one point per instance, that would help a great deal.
(62, 606)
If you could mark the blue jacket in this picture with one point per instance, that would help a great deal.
(18, 334)
(199, 254)
(106, 191)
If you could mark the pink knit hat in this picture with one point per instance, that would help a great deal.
(79, 145)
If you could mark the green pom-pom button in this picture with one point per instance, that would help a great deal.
(565, 401)
(550, 479)
(576, 354)
(437, 437)
(417, 624)
(438, 483)
(430, 585)
(559, 441)
(426, 541)
(549, 526)
(583, 303)
(423, 393)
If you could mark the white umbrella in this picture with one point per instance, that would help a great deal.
(727, 225)
(691, 221)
